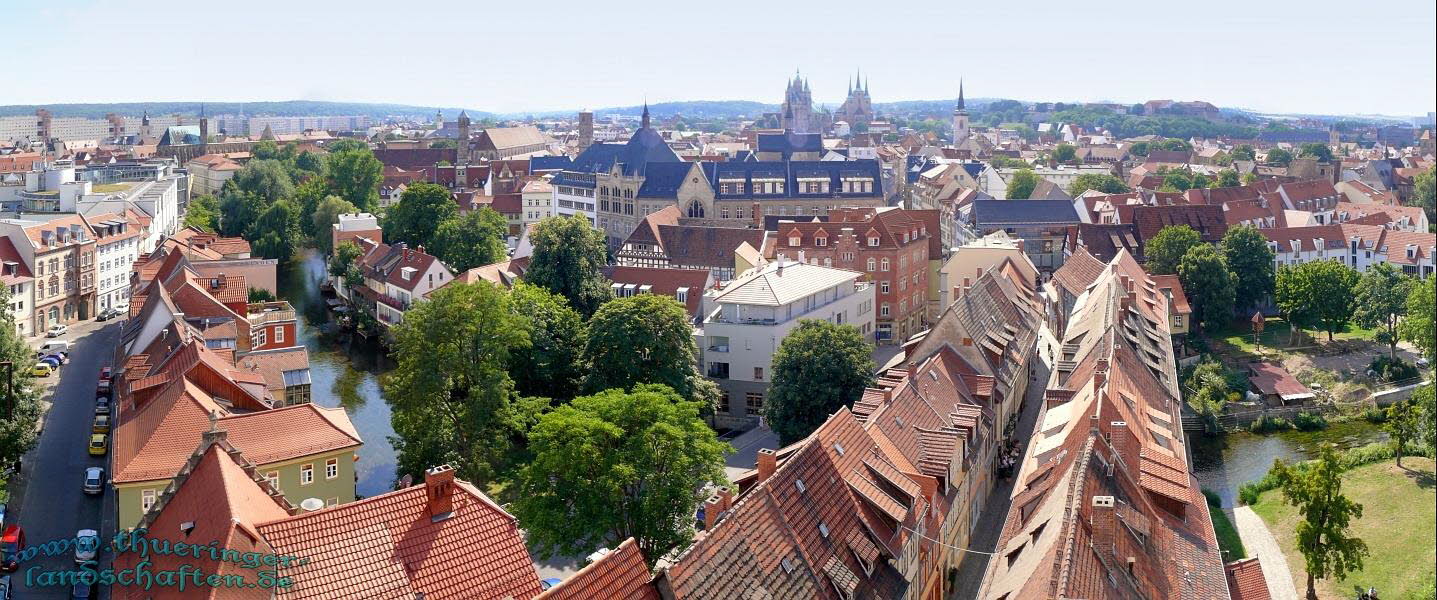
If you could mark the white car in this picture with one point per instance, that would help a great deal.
(94, 479)
(87, 544)
(57, 330)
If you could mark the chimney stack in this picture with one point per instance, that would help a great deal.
(757, 216)
(439, 491)
(712, 507)
(1103, 524)
(767, 463)
(726, 495)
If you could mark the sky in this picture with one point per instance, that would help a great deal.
(1289, 56)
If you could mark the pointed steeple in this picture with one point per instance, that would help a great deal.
(644, 121)
(202, 110)
(960, 94)
(145, 120)
(865, 85)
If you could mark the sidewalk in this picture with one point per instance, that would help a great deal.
(746, 447)
(1259, 543)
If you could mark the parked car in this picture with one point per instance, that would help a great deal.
(101, 424)
(548, 583)
(57, 330)
(99, 444)
(5, 588)
(53, 361)
(94, 480)
(53, 346)
(87, 545)
(107, 314)
(57, 357)
(107, 373)
(102, 406)
(10, 544)
(43, 369)
(82, 591)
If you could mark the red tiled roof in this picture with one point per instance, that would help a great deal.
(665, 282)
(1179, 299)
(619, 575)
(1078, 271)
(1245, 580)
(9, 254)
(1273, 379)
(388, 546)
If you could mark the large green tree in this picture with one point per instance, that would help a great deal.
(1244, 152)
(19, 405)
(473, 240)
(421, 210)
(568, 254)
(276, 233)
(1402, 424)
(1424, 194)
(1278, 157)
(552, 366)
(345, 145)
(344, 264)
(818, 368)
(1317, 150)
(1380, 301)
(267, 178)
(1425, 399)
(1227, 178)
(1168, 247)
(450, 396)
(1252, 264)
(355, 175)
(618, 465)
(1065, 153)
(1102, 182)
(238, 211)
(324, 216)
(1327, 547)
(1418, 326)
(1208, 284)
(641, 339)
(1021, 184)
(308, 196)
(203, 212)
(1317, 294)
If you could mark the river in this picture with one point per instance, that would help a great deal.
(1223, 463)
(343, 373)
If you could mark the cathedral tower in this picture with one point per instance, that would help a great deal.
(960, 118)
(462, 155)
(797, 108)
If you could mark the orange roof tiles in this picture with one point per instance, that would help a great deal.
(1245, 580)
(619, 575)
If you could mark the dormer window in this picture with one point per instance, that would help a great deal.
(873, 241)
(795, 240)
(820, 241)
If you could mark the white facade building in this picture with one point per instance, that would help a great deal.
(754, 313)
(572, 200)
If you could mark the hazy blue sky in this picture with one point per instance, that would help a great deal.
(1290, 56)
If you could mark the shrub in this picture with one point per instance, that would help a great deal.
(1374, 415)
(1387, 368)
(1306, 421)
(1269, 424)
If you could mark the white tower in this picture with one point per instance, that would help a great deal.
(960, 118)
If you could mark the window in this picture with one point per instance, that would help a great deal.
(723, 401)
(884, 264)
(332, 502)
(795, 241)
(147, 499)
(873, 242)
(820, 241)
(331, 468)
(278, 334)
(306, 474)
(871, 264)
(883, 286)
(758, 373)
(753, 403)
(883, 310)
(272, 478)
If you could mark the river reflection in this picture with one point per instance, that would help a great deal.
(344, 372)
(1223, 463)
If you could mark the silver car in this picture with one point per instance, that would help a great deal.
(87, 545)
(94, 480)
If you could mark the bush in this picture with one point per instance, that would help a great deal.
(1306, 421)
(1387, 368)
(1269, 424)
(1374, 415)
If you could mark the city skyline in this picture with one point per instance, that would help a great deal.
(1276, 57)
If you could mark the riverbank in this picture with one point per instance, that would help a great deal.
(1399, 524)
(1223, 463)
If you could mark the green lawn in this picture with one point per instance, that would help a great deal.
(1227, 538)
(1399, 524)
(110, 188)
(1276, 333)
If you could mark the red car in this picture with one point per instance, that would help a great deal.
(10, 545)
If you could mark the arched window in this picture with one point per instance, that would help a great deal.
(871, 264)
(696, 210)
(885, 264)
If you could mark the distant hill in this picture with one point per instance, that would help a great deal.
(287, 108)
(701, 109)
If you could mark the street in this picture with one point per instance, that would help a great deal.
(48, 502)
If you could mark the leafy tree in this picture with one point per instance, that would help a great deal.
(1278, 157)
(552, 366)
(1021, 184)
(818, 368)
(355, 175)
(1227, 178)
(1249, 178)
(203, 212)
(266, 178)
(276, 233)
(309, 162)
(641, 339)
(19, 405)
(1004, 162)
(307, 196)
(1401, 424)
(1317, 150)
(1251, 262)
(1244, 152)
(618, 465)
(1106, 184)
(345, 145)
(1208, 283)
(1065, 153)
(1424, 190)
(1317, 294)
(473, 240)
(1175, 145)
(324, 216)
(444, 144)
(568, 253)
(265, 150)
(1425, 399)
(1167, 248)
(1139, 149)
(450, 395)
(344, 265)
(421, 210)
(238, 211)
(259, 295)
(1179, 180)
(1328, 549)
(1381, 300)
(1418, 326)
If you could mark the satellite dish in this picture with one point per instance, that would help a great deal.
(311, 504)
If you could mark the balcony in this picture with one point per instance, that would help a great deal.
(261, 313)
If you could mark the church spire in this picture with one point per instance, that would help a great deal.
(644, 122)
(960, 94)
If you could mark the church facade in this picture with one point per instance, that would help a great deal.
(797, 113)
(858, 108)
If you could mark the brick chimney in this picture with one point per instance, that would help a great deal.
(712, 507)
(726, 495)
(767, 463)
(439, 491)
(757, 216)
(1103, 524)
